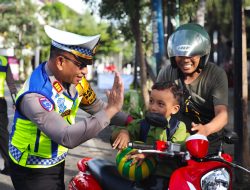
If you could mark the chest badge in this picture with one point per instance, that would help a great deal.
(57, 86)
(61, 104)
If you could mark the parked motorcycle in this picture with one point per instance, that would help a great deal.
(201, 172)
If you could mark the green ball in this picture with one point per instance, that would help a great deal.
(134, 172)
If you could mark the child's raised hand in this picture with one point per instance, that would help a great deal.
(121, 140)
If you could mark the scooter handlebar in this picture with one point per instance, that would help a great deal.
(159, 147)
(141, 146)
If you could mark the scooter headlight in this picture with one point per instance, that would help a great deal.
(218, 179)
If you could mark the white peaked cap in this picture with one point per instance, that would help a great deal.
(83, 46)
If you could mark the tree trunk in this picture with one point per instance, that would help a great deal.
(246, 158)
(200, 14)
(135, 26)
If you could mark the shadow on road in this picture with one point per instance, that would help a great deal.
(5, 186)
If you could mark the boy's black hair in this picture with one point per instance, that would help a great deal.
(174, 88)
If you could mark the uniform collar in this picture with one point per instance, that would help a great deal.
(59, 87)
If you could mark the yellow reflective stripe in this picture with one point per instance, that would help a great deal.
(2, 80)
(81, 54)
(3, 61)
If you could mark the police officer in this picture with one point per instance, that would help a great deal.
(205, 84)
(44, 124)
(5, 75)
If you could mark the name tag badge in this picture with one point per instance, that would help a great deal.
(57, 86)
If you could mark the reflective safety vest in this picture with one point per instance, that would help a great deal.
(3, 71)
(30, 147)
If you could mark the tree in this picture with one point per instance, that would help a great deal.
(130, 18)
(25, 32)
(20, 32)
(62, 17)
(200, 19)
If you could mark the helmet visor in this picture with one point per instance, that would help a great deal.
(188, 43)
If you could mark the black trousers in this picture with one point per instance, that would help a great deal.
(4, 133)
(37, 178)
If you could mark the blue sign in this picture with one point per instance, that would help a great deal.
(158, 32)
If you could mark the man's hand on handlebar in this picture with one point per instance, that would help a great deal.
(200, 129)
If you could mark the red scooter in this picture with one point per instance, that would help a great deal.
(201, 172)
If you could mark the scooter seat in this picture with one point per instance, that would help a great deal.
(106, 173)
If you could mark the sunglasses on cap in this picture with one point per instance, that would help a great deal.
(79, 64)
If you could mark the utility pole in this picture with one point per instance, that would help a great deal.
(241, 149)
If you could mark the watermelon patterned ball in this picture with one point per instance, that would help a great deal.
(134, 172)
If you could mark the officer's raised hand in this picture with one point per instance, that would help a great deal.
(115, 96)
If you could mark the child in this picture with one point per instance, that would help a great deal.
(165, 100)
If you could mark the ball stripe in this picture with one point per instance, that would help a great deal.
(126, 167)
(144, 169)
(131, 171)
(151, 163)
(123, 153)
(138, 173)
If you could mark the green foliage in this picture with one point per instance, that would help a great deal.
(246, 3)
(19, 31)
(219, 13)
(188, 10)
(54, 12)
(60, 16)
(121, 15)
(120, 29)
(24, 30)
(133, 104)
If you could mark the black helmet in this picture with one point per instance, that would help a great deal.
(189, 40)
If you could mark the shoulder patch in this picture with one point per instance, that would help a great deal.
(57, 86)
(46, 104)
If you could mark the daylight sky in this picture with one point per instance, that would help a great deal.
(78, 5)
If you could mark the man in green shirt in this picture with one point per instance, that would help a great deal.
(205, 85)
